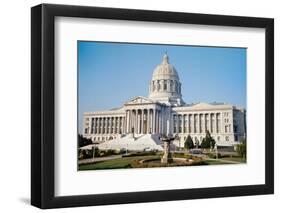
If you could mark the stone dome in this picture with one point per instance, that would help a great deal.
(165, 86)
(165, 70)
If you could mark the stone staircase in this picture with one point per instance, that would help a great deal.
(139, 142)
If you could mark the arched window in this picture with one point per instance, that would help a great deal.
(171, 85)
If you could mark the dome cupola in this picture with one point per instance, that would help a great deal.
(165, 86)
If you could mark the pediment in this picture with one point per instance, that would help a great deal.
(140, 100)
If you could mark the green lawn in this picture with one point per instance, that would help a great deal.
(237, 159)
(214, 162)
(126, 162)
(116, 163)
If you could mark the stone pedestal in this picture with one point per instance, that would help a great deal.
(167, 157)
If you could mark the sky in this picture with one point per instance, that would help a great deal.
(110, 74)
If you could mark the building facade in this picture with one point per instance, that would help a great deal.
(165, 113)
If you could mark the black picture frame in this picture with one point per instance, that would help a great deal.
(43, 105)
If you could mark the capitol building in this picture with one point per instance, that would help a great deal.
(141, 121)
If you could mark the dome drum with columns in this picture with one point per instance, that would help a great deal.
(141, 121)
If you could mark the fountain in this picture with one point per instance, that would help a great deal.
(167, 157)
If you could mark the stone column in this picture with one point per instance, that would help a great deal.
(220, 115)
(100, 127)
(162, 121)
(90, 125)
(131, 121)
(105, 125)
(216, 123)
(117, 125)
(147, 121)
(112, 125)
(139, 123)
(136, 121)
(176, 123)
(159, 122)
(186, 123)
(101, 123)
(183, 124)
(108, 125)
(123, 125)
(93, 126)
(153, 121)
(195, 124)
(203, 125)
(210, 122)
(199, 124)
(142, 121)
(97, 126)
(126, 120)
(172, 123)
(120, 125)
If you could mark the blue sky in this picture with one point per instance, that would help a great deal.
(112, 73)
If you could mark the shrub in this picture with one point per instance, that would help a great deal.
(242, 149)
(188, 144)
(208, 141)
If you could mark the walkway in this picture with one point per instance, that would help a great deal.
(98, 159)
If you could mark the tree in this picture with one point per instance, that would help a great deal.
(83, 141)
(188, 144)
(242, 148)
(208, 142)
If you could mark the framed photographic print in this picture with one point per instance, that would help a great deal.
(139, 106)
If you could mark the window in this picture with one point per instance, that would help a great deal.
(175, 124)
(165, 85)
(153, 86)
(180, 123)
(219, 138)
(226, 138)
(236, 138)
(86, 131)
(158, 86)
